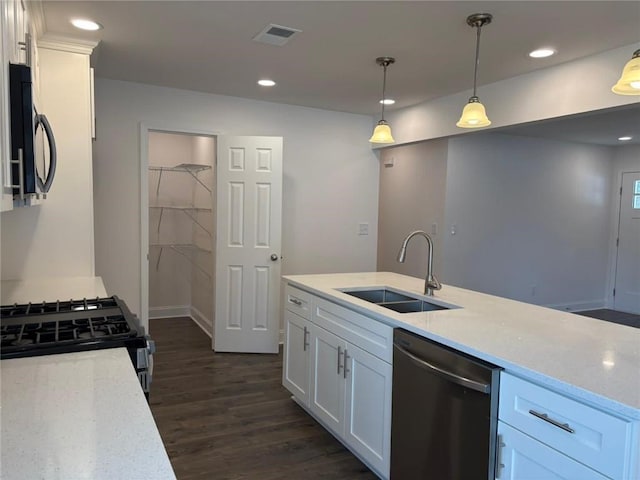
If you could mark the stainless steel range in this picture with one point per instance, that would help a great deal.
(76, 325)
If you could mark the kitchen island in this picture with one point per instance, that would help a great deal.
(78, 416)
(574, 363)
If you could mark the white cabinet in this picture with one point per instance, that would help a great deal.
(297, 347)
(521, 457)
(328, 378)
(337, 364)
(351, 395)
(295, 370)
(561, 433)
(367, 425)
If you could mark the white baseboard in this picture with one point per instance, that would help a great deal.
(171, 311)
(202, 321)
(579, 306)
(183, 311)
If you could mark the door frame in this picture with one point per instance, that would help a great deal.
(144, 129)
(613, 268)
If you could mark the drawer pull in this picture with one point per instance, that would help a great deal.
(339, 358)
(305, 344)
(555, 423)
(295, 301)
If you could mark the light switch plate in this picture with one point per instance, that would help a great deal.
(363, 228)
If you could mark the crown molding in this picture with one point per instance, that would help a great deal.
(35, 9)
(67, 44)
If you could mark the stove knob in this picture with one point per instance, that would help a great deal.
(151, 346)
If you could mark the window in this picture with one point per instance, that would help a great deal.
(636, 195)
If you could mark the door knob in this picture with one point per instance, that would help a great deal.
(274, 257)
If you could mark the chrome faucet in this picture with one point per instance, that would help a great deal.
(431, 283)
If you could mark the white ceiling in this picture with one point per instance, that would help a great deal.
(207, 45)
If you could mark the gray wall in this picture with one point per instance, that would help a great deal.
(412, 197)
(532, 217)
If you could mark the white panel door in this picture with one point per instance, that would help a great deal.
(368, 408)
(627, 288)
(295, 370)
(522, 458)
(248, 230)
(327, 378)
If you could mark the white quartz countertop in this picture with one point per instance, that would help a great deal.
(591, 359)
(49, 289)
(78, 416)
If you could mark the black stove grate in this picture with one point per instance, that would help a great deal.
(65, 326)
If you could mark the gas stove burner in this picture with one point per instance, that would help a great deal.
(72, 325)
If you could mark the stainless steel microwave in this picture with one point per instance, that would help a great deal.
(33, 146)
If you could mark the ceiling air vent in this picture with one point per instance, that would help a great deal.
(276, 35)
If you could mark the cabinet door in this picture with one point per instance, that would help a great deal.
(295, 372)
(327, 378)
(368, 408)
(521, 457)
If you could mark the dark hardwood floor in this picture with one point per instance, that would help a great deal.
(227, 416)
(614, 316)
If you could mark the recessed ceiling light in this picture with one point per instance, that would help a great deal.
(84, 24)
(266, 82)
(625, 139)
(388, 101)
(542, 53)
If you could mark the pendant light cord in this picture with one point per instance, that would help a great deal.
(475, 72)
(384, 85)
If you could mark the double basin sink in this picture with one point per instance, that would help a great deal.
(400, 302)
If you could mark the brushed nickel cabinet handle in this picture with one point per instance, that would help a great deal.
(555, 423)
(345, 370)
(499, 464)
(305, 344)
(295, 301)
(339, 358)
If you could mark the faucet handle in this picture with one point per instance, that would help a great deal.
(433, 283)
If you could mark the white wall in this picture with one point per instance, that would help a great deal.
(412, 197)
(573, 87)
(169, 272)
(55, 239)
(203, 286)
(330, 176)
(532, 219)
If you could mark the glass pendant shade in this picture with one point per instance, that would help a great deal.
(473, 115)
(629, 83)
(382, 133)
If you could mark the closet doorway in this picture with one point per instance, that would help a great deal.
(181, 226)
(211, 226)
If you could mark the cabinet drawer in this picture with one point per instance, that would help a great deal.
(298, 301)
(522, 458)
(366, 333)
(587, 434)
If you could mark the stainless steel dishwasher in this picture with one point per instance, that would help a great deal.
(444, 413)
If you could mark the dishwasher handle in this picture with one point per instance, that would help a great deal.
(450, 376)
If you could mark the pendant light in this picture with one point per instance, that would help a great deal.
(382, 132)
(629, 83)
(473, 114)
